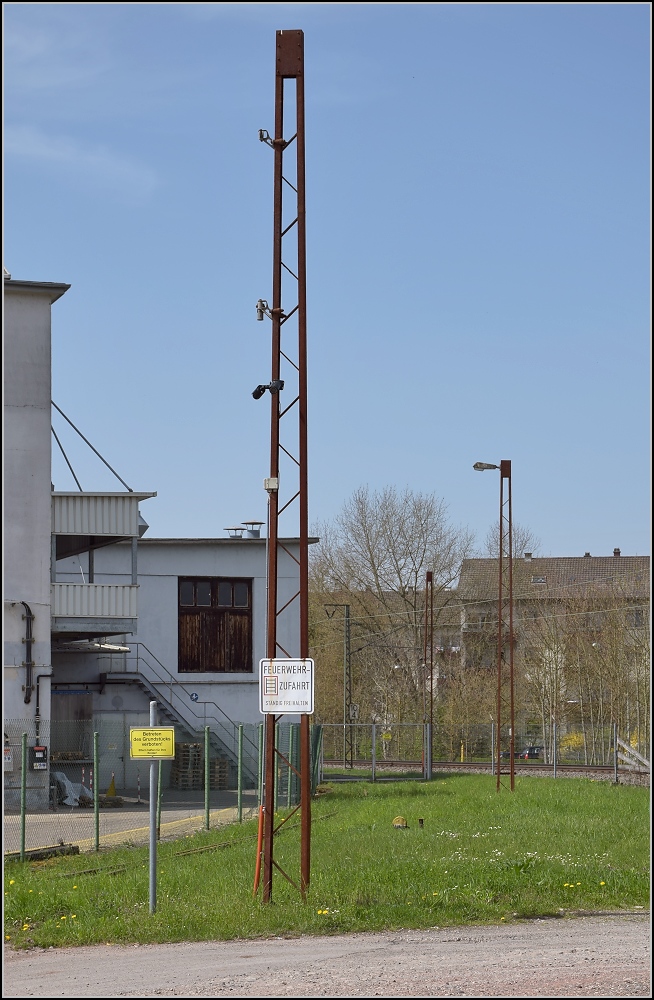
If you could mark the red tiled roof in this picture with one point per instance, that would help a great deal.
(555, 576)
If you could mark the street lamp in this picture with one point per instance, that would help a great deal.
(429, 641)
(505, 610)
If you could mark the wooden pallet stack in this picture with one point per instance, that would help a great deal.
(217, 775)
(187, 771)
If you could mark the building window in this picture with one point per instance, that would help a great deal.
(539, 579)
(215, 625)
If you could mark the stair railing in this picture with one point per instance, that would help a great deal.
(150, 667)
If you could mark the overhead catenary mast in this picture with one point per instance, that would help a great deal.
(287, 494)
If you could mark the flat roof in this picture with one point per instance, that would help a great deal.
(103, 493)
(55, 288)
(213, 541)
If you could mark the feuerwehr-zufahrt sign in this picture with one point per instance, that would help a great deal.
(286, 686)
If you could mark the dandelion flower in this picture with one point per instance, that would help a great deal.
(62, 918)
(73, 915)
(74, 887)
(26, 927)
(602, 883)
(11, 881)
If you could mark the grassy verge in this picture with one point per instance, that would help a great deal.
(549, 848)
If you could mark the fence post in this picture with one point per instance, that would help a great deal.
(321, 758)
(207, 779)
(615, 752)
(239, 775)
(492, 746)
(374, 749)
(23, 792)
(554, 749)
(96, 791)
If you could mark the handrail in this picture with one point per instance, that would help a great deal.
(178, 684)
(184, 709)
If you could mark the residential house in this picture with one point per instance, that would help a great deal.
(581, 642)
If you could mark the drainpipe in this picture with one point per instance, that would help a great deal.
(37, 713)
(28, 663)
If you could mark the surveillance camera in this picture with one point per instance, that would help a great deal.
(259, 391)
(277, 385)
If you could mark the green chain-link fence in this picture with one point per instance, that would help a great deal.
(74, 783)
(378, 748)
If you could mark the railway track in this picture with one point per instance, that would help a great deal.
(391, 770)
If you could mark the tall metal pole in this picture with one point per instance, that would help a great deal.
(429, 646)
(348, 742)
(153, 818)
(289, 65)
(297, 59)
(505, 640)
(348, 753)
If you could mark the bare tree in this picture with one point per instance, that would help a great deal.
(587, 665)
(522, 541)
(375, 557)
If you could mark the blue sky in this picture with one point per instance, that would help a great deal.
(478, 253)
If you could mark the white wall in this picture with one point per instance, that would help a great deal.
(160, 563)
(26, 481)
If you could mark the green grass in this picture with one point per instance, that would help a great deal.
(551, 847)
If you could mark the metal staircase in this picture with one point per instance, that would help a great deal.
(174, 701)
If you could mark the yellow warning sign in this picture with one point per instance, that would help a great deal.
(152, 743)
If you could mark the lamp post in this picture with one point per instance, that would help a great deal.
(505, 611)
(429, 647)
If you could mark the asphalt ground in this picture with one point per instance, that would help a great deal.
(182, 812)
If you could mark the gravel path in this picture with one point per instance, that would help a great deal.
(583, 956)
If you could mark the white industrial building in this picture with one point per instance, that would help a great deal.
(98, 620)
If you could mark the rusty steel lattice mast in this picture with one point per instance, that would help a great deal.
(505, 637)
(428, 671)
(289, 267)
(505, 623)
(349, 710)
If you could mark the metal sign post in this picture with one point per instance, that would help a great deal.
(153, 744)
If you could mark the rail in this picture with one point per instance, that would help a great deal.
(335, 771)
(175, 700)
